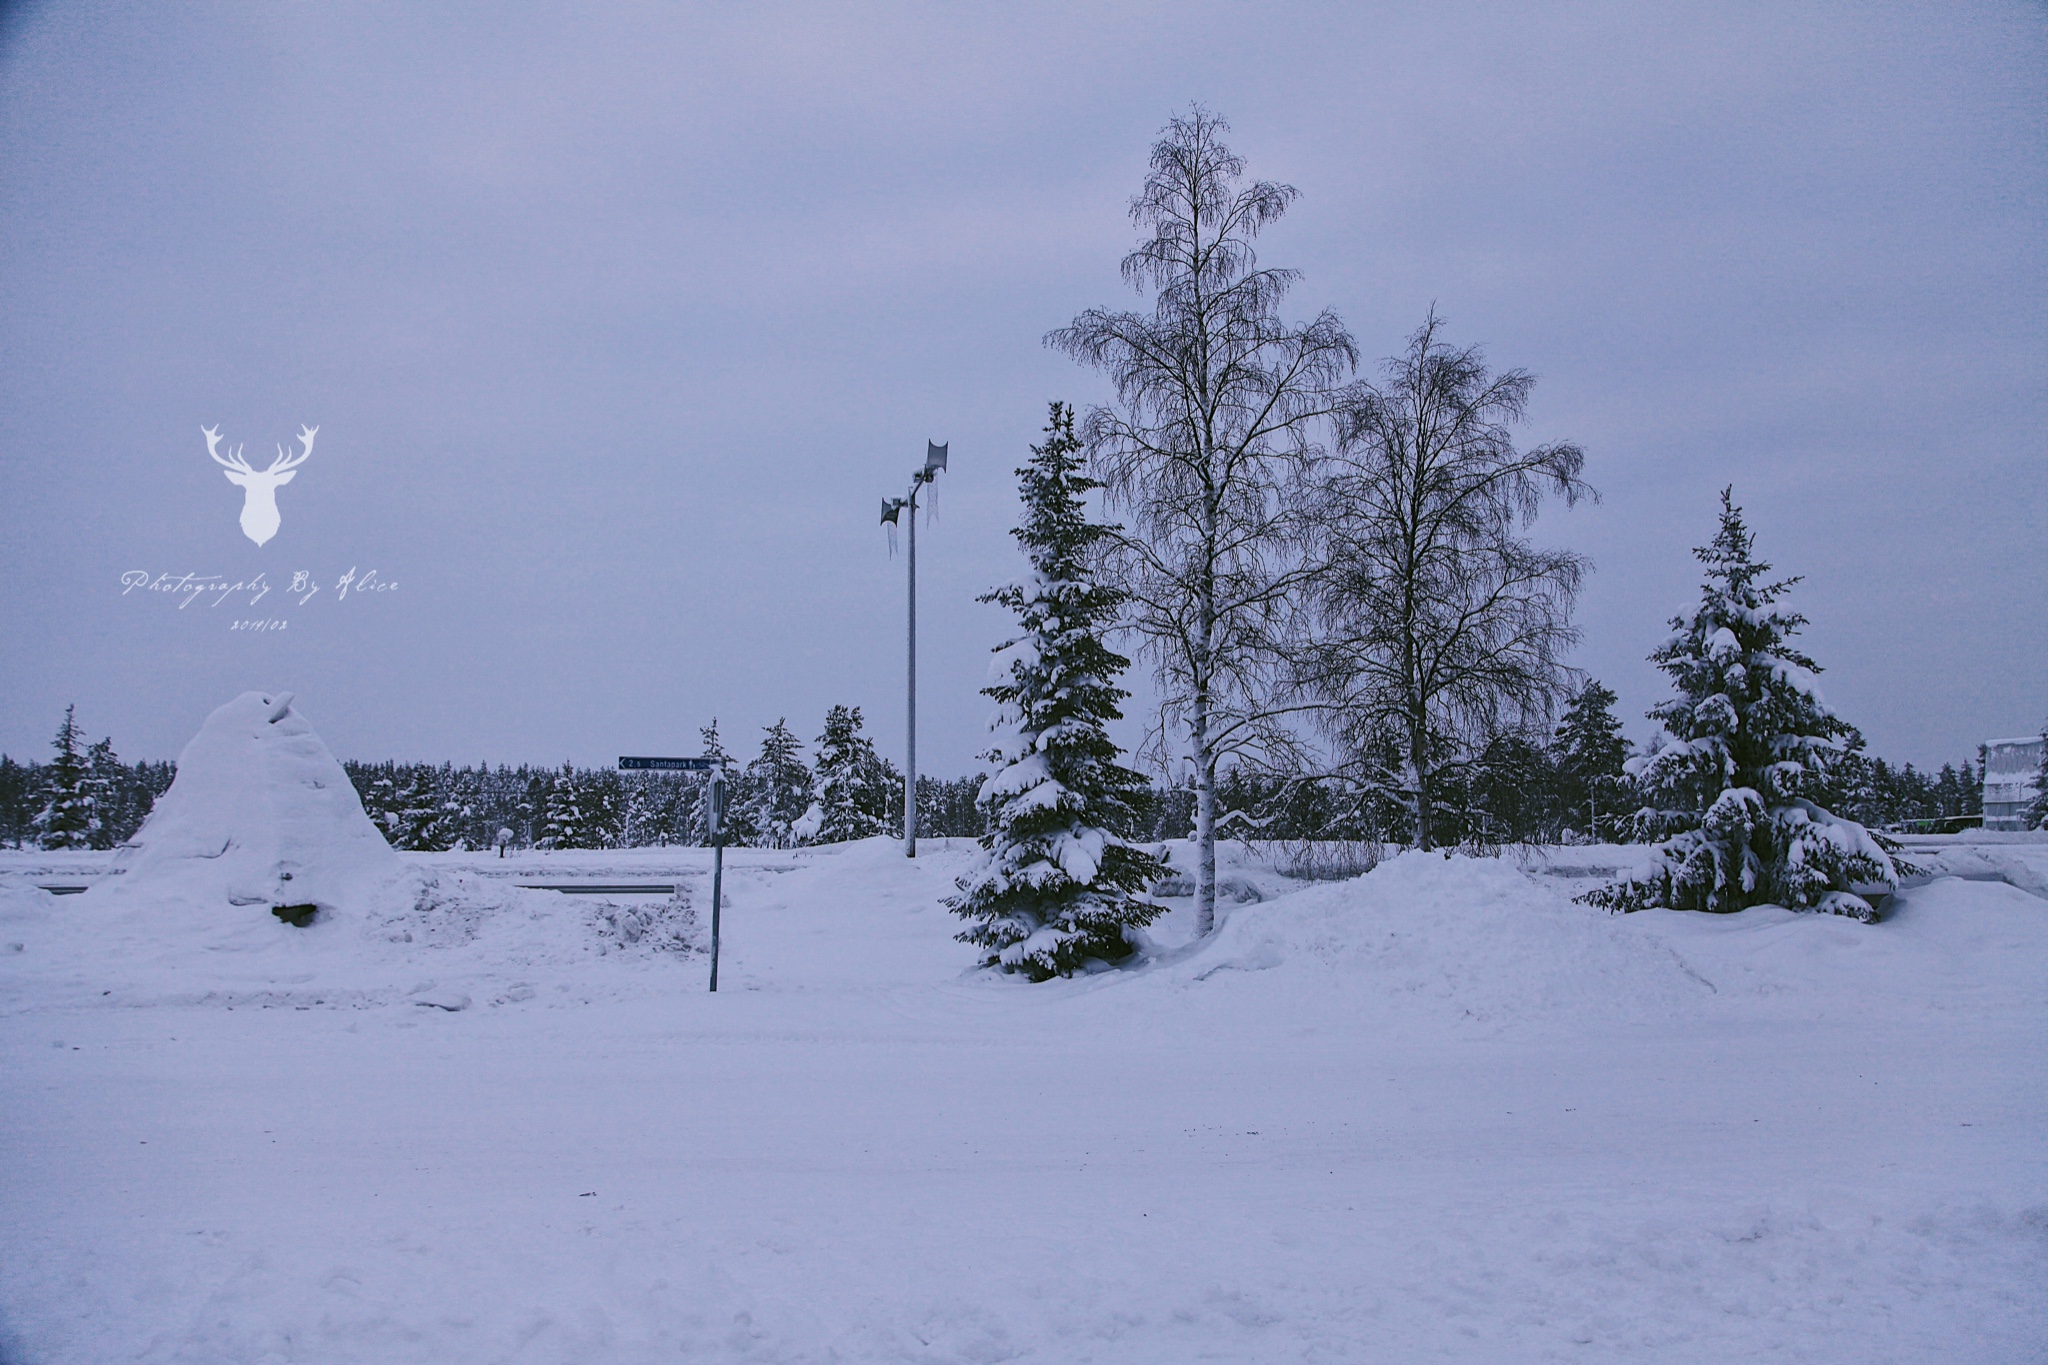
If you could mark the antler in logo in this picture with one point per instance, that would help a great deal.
(259, 486)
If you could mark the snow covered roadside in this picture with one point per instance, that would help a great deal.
(1436, 1113)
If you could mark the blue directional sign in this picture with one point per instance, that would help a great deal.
(667, 765)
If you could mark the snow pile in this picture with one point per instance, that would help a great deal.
(2018, 862)
(258, 879)
(261, 817)
(1453, 939)
(1948, 947)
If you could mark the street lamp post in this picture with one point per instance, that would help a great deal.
(892, 508)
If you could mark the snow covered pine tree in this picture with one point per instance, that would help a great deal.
(425, 816)
(698, 831)
(570, 821)
(1057, 883)
(70, 815)
(853, 783)
(1591, 756)
(777, 788)
(1746, 735)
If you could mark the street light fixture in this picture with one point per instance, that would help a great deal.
(892, 509)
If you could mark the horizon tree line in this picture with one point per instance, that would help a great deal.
(1517, 792)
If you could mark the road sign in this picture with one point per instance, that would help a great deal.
(716, 811)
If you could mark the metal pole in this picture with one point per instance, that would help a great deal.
(717, 864)
(910, 741)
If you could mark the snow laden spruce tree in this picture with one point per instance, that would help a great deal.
(856, 788)
(776, 789)
(697, 829)
(569, 820)
(70, 816)
(1592, 757)
(1746, 737)
(1057, 884)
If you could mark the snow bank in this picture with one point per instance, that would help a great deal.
(1949, 946)
(2016, 861)
(1476, 941)
(1479, 944)
(262, 817)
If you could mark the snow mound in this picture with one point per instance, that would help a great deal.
(1952, 946)
(260, 816)
(439, 935)
(1474, 940)
(258, 879)
(2024, 865)
(1478, 943)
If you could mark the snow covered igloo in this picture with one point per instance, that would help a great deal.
(260, 821)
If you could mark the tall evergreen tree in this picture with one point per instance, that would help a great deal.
(1953, 791)
(854, 796)
(1509, 794)
(70, 814)
(377, 786)
(17, 799)
(1747, 737)
(640, 814)
(425, 816)
(778, 788)
(1058, 882)
(605, 807)
(737, 826)
(568, 822)
(1590, 754)
(107, 779)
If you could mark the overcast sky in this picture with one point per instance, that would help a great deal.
(617, 324)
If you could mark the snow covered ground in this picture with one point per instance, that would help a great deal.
(1436, 1113)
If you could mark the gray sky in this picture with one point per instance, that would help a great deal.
(618, 323)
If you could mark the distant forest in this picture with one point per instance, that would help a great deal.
(1557, 790)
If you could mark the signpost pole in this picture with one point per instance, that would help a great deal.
(717, 864)
(715, 793)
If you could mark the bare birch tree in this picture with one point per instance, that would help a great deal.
(1217, 397)
(1435, 624)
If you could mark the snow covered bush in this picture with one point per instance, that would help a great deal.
(1747, 737)
(1057, 883)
